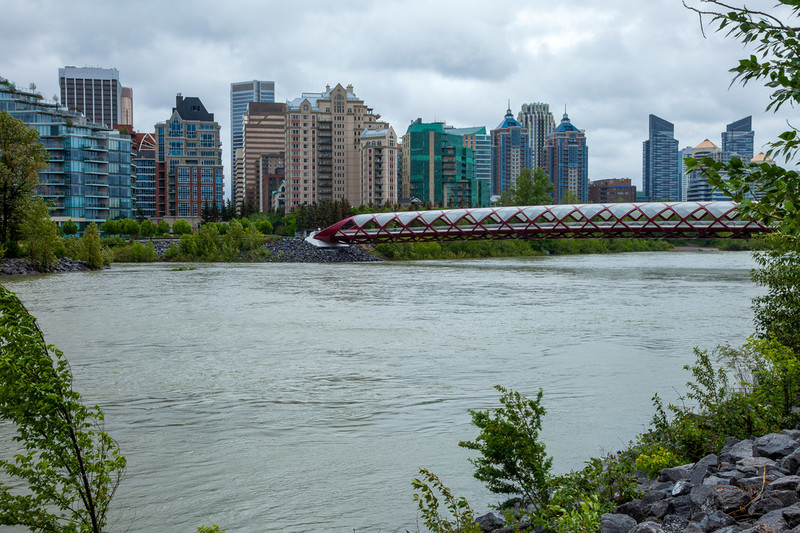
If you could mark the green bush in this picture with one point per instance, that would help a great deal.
(458, 518)
(513, 460)
(135, 253)
(181, 227)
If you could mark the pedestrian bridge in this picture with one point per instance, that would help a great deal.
(650, 220)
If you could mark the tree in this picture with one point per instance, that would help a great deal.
(130, 227)
(570, 197)
(69, 227)
(513, 459)
(111, 227)
(68, 469)
(147, 228)
(21, 158)
(40, 236)
(534, 189)
(162, 228)
(777, 48)
(92, 251)
(181, 227)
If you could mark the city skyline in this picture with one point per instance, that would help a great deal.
(611, 66)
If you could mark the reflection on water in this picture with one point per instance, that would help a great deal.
(305, 397)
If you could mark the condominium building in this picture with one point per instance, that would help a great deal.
(88, 177)
(537, 119)
(242, 93)
(438, 168)
(698, 189)
(323, 146)
(261, 158)
(95, 92)
(144, 159)
(511, 153)
(189, 160)
(566, 162)
(738, 139)
(379, 166)
(661, 167)
(481, 142)
(612, 191)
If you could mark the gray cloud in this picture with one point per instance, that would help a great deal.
(611, 64)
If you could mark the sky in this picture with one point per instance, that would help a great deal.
(610, 64)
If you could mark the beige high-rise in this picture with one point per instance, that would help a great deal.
(323, 146)
(261, 161)
(379, 166)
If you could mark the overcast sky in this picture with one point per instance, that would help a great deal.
(610, 62)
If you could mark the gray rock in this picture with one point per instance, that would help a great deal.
(727, 500)
(715, 481)
(771, 501)
(682, 487)
(792, 515)
(713, 522)
(785, 483)
(736, 451)
(774, 521)
(793, 433)
(648, 527)
(703, 468)
(699, 495)
(521, 526)
(680, 506)
(675, 524)
(616, 523)
(774, 446)
(490, 521)
(755, 465)
(633, 508)
(792, 462)
(676, 473)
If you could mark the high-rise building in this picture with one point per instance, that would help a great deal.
(126, 108)
(379, 166)
(612, 191)
(661, 168)
(242, 93)
(144, 158)
(738, 139)
(683, 154)
(511, 153)
(261, 158)
(481, 142)
(95, 92)
(438, 168)
(566, 160)
(88, 177)
(698, 189)
(537, 119)
(323, 146)
(189, 160)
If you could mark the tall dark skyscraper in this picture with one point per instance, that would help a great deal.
(95, 92)
(737, 140)
(661, 166)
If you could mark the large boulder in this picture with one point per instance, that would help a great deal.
(490, 521)
(703, 468)
(727, 500)
(775, 446)
(616, 523)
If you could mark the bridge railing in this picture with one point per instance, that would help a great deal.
(627, 220)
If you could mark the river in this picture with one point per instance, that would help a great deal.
(304, 397)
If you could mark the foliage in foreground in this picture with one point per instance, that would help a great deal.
(68, 466)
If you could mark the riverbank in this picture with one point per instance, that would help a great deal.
(21, 267)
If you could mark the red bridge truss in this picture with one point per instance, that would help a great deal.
(642, 220)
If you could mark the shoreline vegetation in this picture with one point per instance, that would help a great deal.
(210, 246)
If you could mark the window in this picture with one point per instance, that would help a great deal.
(191, 131)
(183, 192)
(175, 148)
(207, 140)
(176, 128)
(183, 174)
(207, 175)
